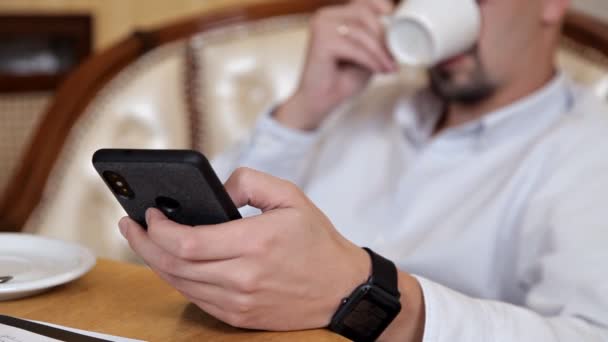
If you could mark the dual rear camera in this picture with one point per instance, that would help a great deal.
(118, 185)
(122, 189)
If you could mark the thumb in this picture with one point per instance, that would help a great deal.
(263, 191)
(154, 216)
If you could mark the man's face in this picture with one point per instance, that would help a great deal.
(510, 30)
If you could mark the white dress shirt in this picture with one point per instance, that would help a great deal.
(504, 220)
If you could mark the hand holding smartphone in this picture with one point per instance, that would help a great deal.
(180, 183)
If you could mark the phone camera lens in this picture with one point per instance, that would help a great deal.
(118, 185)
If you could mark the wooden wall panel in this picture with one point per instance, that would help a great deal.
(116, 18)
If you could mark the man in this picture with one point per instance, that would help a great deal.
(488, 192)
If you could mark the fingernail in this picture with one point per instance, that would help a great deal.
(148, 215)
(123, 225)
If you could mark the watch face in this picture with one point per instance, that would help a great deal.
(365, 318)
(366, 314)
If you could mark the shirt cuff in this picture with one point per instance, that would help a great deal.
(271, 142)
(278, 150)
(448, 315)
(268, 128)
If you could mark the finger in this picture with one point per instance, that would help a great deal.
(372, 44)
(326, 27)
(201, 243)
(152, 254)
(215, 310)
(349, 50)
(373, 23)
(216, 273)
(373, 26)
(164, 263)
(265, 192)
(380, 7)
(218, 312)
(200, 291)
(369, 19)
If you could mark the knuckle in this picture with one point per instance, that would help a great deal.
(242, 176)
(263, 244)
(248, 282)
(157, 229)
(187, 248)
(291, 189)
(269, 239)
(241, 172)
(243, 304)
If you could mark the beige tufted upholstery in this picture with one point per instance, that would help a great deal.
(225, 77)
(241, 71)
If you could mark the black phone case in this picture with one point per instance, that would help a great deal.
(184, 176)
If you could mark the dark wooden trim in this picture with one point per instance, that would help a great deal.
(19, 84)
(193, 86)
(80, 88)
(75, 27)
(587, 31)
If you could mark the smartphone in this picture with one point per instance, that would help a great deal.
(180, 183)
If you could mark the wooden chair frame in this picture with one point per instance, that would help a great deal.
(28, 182)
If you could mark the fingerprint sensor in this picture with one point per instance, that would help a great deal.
(168, 206)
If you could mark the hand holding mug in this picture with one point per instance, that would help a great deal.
(351, 43)
(346, 48)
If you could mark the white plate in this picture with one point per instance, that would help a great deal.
(38, 263)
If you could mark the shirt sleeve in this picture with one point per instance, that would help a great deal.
(452, 316)
(562, 259)
(271, 148)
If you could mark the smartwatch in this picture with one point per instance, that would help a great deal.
(369, 310)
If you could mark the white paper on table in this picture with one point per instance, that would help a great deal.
(10, 333)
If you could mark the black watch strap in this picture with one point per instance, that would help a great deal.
(384, 273)
(372, 306)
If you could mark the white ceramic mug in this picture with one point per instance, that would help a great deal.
(426, 32)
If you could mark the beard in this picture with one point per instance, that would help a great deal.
(477, 87)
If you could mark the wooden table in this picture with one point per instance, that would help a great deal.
(130, 301)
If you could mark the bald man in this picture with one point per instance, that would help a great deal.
(483, 197)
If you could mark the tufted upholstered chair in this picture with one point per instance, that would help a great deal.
(155, 89)
(196, 84)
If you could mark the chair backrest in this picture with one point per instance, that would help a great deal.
(197, 84)
(149, 91)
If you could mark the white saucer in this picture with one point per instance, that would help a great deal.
(38, 263)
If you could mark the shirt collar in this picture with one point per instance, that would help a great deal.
(418, 116)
